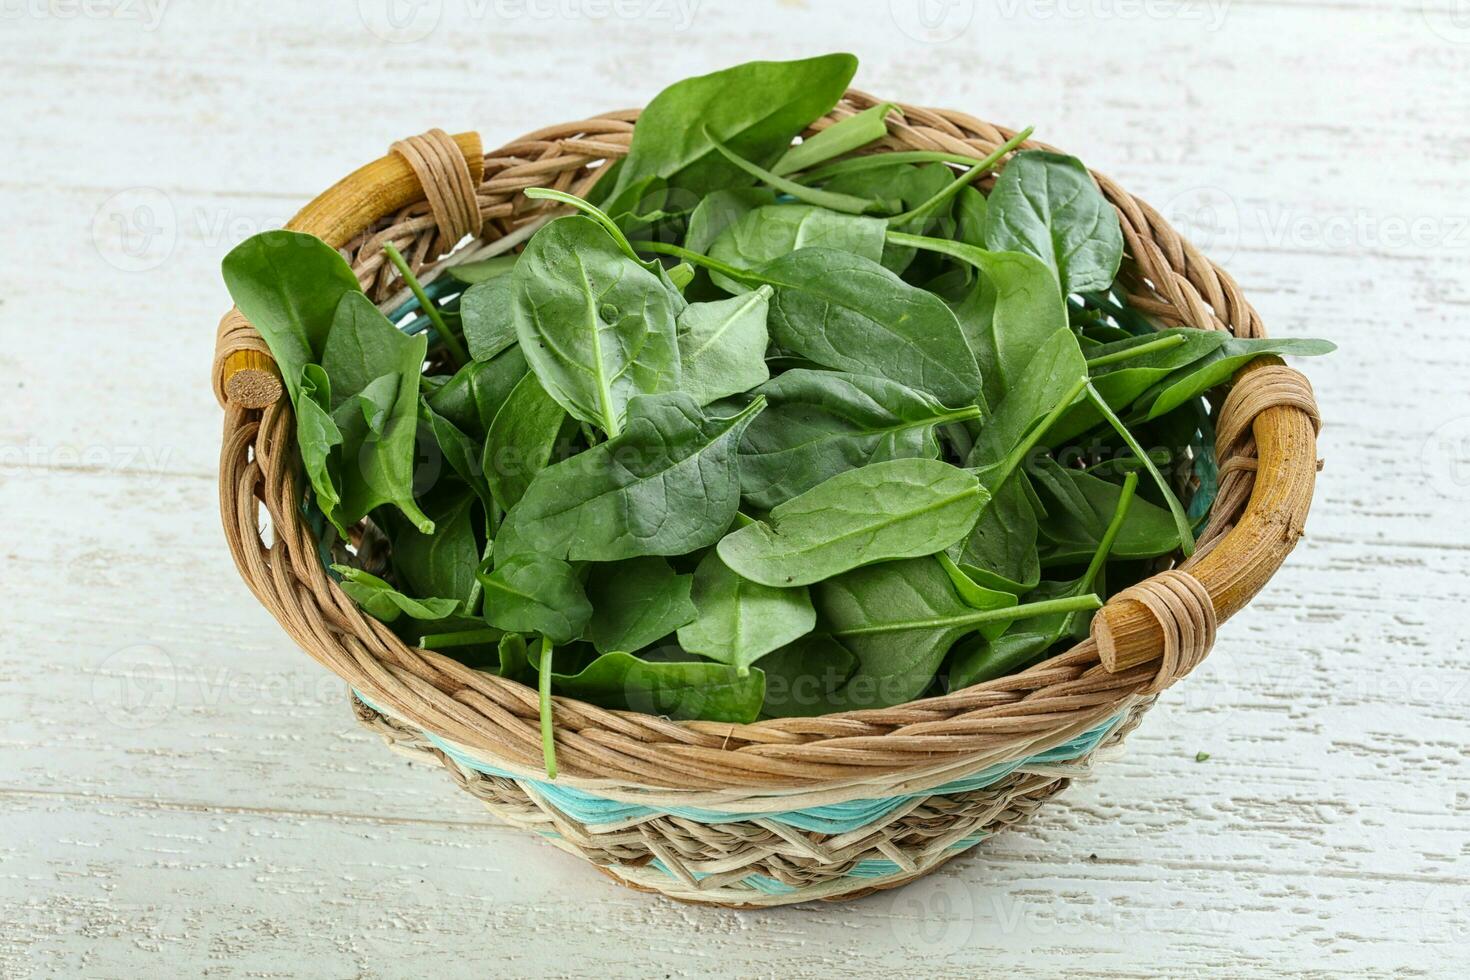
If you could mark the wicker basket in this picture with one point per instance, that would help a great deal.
(780, 811)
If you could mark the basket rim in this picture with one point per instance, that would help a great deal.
(1251, 530)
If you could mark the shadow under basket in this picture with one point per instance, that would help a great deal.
(780, 811)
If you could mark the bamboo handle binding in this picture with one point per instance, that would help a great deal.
(1127, 634)
(248, 377)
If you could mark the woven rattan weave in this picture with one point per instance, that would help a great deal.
(1036, 728)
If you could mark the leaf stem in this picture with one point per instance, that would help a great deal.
(462, 638)
(1181, 519)
(1127, 354)
(456, 349)
(981, 616)
(875, 160)
(1024, 447)
(845, 203)
(953, 187)
(543, 688)
(695, 258)
(592, 211)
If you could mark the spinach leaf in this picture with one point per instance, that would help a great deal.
(1000, 551)
(444, 562)
(976, 595)
(900, 619)
(460, 451)
(768, 233)
(289, 286)
(483, 270)
(1120, 383)
(980, 658)
(636, 602)
(848, 313)
(1219, 366)
(318, 435)
(486, 318)
(721, 210)
(671, 688)
(667, 485)
(843, 136)
(596, 326)
(902, 508)
(1045, 204)
(740, 621)
(536, 594)
(374, 370)
(1079, 507)
(475, 393)
(722, 345)
(802, 676)
(818, 424)
(521, 440)
(757, 108)
(384, 602)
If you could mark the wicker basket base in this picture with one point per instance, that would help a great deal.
(759, 863)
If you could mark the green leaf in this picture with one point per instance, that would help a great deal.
(980, 658)
(1220, 365)
(975, 595)
(289, 285)
(636, 602)
(1011, 312)
(902, 508)
(768, 233)
(667, 485)
(818, 424)
(536, 594)
(848, 313)
(1078, 509)
(802, 676)
(460, 451)
(484, 270)
(475, 393)
(444, 562)
(384, 602)
(486, 316)
(1000, 551)
(376, 413)
(756, 108)
(721, 210)
(1046, 205)
(596, 326)
(900, 619)
(723, 345)
(317, 435)
(841, 137)
(521, 440)
(672, 689)
(1122, 382)
(741, 621)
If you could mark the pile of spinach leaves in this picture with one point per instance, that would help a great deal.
(766, 428)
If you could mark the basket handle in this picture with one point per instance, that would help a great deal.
(1274, 404)
(245, 375)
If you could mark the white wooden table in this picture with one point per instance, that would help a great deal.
(183, 792)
